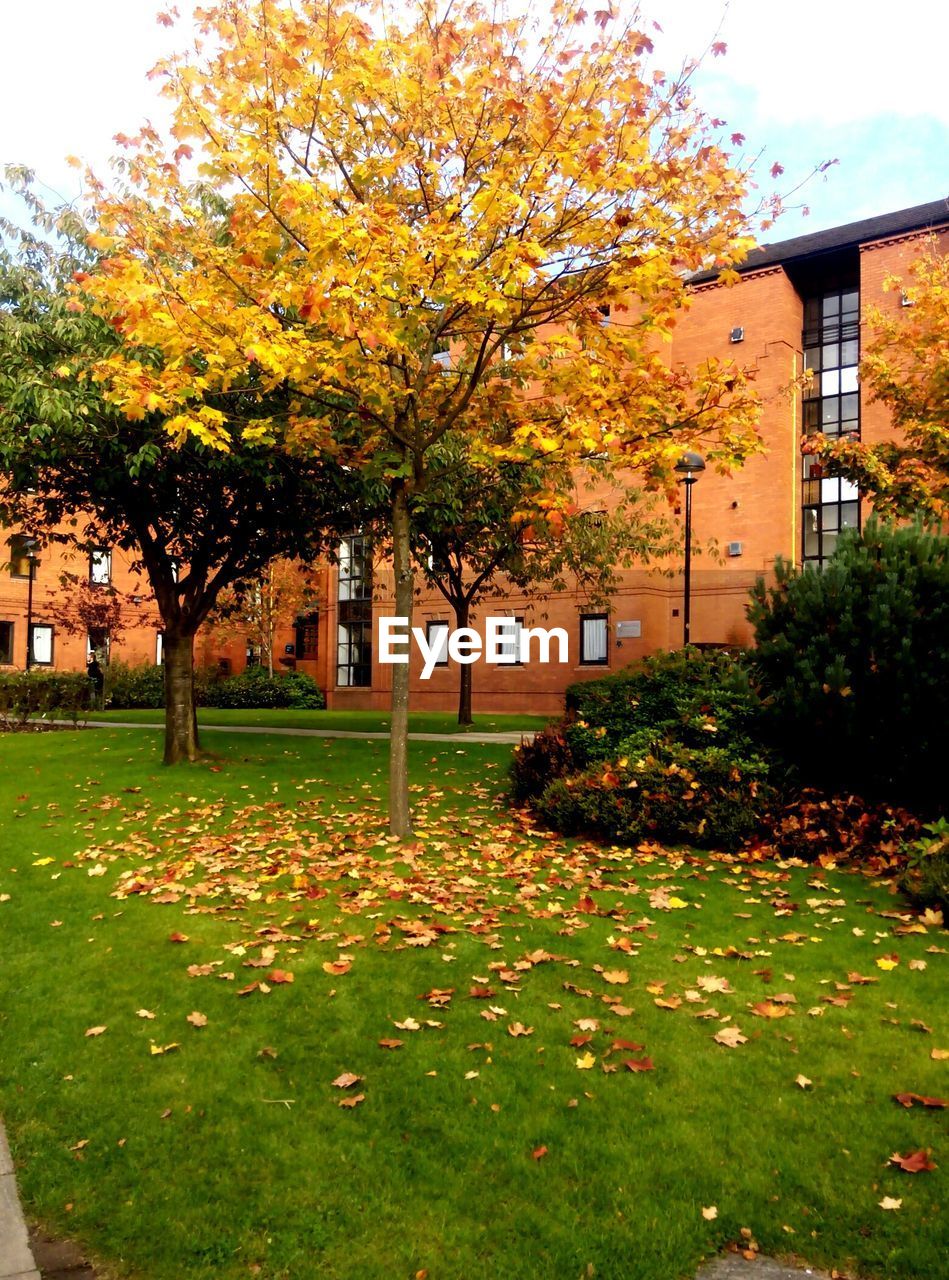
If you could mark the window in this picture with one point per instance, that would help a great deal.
(100, 566)
(831, 407)
(436, 634)
(354, 614)
(20, 546)
(509, 646)
(308, 636)
(6, 642)
(594, 639)
(41, 645)
(97, 645)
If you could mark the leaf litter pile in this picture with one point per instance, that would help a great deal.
(305, 892)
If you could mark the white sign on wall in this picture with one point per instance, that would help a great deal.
(629, 630)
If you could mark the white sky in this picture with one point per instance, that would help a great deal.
(863, 82)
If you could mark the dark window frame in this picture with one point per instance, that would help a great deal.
(107, 553)
(7, 650)
(34, 660)
(354, 614)
(438, 622)
(595, 662)
(830, 325)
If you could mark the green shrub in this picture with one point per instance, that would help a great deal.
(130, 688)
(696, 695)
(143, 686)
(708, 796)
(256, 688)
(851, 662)
(926, 878)
(48, 695)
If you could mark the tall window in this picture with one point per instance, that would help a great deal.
(832, 407)
(308, 636)
(41, 644)
(354, 613)
(509, 642)
(20, 544)
(100, 566)
(594, 639)
(6, 642)
(436, 635)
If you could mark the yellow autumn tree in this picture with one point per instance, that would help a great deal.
(431, 208)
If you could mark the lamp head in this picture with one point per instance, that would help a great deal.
(690, 466)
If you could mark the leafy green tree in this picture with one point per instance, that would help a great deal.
(852, 664)
(75, 469)
(481, 529)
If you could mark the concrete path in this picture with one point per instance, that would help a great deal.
(502, 738)
(732, 1266)
(16, 1260)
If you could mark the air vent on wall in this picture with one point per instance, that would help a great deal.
(737, 335)
(735, 548)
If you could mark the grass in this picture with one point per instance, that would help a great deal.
(229, 1156)
(351, 721)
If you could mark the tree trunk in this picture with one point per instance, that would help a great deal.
(462, 613)
(181, 721)
(400, 817)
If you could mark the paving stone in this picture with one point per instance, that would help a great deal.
(732, 1266)
(15, 1256)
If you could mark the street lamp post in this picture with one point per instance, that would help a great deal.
(29, 549)
(689, 467)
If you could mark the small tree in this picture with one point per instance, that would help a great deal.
(852, 663)
(196, 518)
(906, 366)
(94, 611)
(482, 528)
(256, 608)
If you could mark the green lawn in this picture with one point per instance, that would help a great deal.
(352, 721)
(486, 1144)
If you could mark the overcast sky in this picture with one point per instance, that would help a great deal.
(861, 82)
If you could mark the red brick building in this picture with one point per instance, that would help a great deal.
(798, 306)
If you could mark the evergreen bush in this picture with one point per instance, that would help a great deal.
(851, 662)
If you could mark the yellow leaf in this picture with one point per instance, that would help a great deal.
(586, 1061)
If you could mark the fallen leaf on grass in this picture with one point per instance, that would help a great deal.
(144, 1013)
(888, 1202)
(538, 1153)
(518, 1029)
(585, 1061)
(886, 963)
(346, 1080)
(157, 1050)
(391, 1044)
(710, 1213)
(914, 1162)
(96, 1031)
(768, 1009)
(352, 1101)
(908, 1100)
(279, 976)
(731, 1037)
(616, 977)
(337, 967)
(177, 937)
(197, 1019)
(408, 1025)
(940, 1055)
(803, 1082)
(639, 1064)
